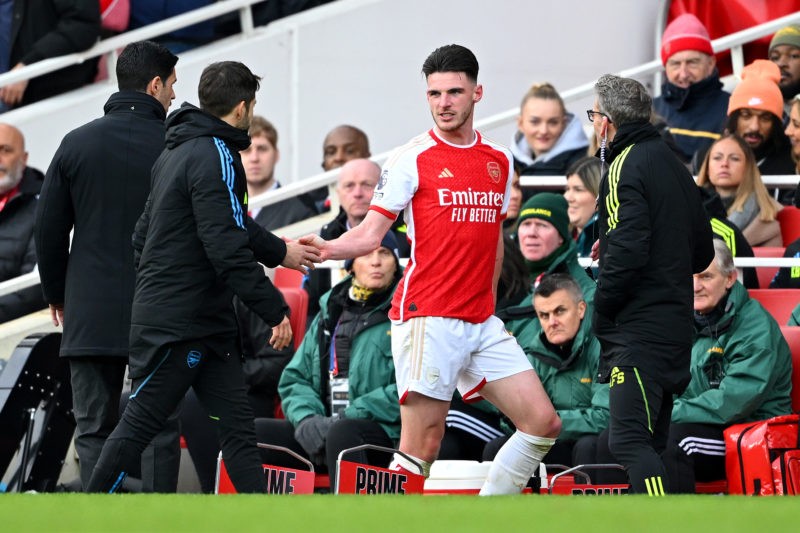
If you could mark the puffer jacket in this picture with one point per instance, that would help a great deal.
(17, 249)
(741, 367)
(695, 115)
(373, 390)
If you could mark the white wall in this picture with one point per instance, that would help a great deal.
(358, 62)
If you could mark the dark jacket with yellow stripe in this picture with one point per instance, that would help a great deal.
(695, 115)
(654, 234)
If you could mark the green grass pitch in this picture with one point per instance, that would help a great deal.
(389, 513)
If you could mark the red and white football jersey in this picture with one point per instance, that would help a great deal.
(455, 199)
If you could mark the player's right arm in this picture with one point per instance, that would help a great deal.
(361, 240)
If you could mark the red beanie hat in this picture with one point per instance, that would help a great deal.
(685, 33)
(758, 89)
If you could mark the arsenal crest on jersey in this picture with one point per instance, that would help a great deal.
(494, 170)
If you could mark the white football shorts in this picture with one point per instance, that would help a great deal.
(435, 355)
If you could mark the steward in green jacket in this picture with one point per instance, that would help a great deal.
(547, 248)
(741, 371)
(339, 389)
(566, 355)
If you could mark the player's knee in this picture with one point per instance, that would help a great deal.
(544, 424)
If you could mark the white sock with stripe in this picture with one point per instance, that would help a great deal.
(515, 463)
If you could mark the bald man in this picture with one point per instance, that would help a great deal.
(19, 192)
(357, 181)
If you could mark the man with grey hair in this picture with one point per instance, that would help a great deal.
(654, 235)
(741, 372)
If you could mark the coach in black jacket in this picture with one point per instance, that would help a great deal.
(654, 234)
(97, 184)
(197, 247)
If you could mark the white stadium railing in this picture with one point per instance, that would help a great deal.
(110, 47)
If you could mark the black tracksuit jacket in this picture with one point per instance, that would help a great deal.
(654, 234)
(196, 246)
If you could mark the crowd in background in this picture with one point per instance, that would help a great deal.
(545, 297)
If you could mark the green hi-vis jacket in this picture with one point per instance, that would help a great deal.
(373, 389)
(581, 402)
(741, 368)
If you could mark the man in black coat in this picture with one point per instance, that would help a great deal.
(196, 248)
(97, 184)
(41, 29)
(19, 191)
(654, 235)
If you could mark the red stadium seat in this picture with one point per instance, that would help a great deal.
(789, 219)
(792, 336)
(287, 277)
(297, 300)
(765, 274)
(778, 302)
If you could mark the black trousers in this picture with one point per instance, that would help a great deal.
(202, 442)
(640, 410)
(96, 388)
(218, 382)
(343, 434)
(694, 452)
(467, 431)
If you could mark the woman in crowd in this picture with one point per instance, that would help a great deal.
(583, 181)
(793, 132)
(549, 139)
(730, 169)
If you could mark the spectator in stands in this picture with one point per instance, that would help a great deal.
(545, 240)
(43, 29)
(741, 372)
(549, 139)
(354, 187)
(514, 204)
(692, 101)
(730, 234)
(784, 51)
(339, 389)
(788, 277)
(547, 247)
(342, 144)
(259, 161)
(146, 12)
(565, 356)
(19, 192)
(755, 114)
(92, 282)
(793, 133)
(583, 181)
(730, 169)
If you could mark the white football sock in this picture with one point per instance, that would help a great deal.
(515, 463)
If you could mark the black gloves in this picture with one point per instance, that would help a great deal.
(311, 432)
